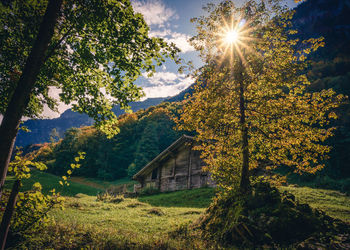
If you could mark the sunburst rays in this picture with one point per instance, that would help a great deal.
(234, 38)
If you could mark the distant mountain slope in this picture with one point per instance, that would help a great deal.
(330, 68)
(41, 128)
(327, 18)
(181, 96)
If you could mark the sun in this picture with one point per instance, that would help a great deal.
(231, 36)
(234, 38)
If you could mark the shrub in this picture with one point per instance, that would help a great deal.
(345, 186)
(327, 182)
(31, 213)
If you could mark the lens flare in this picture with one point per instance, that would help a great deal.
(231, 36)
(234, 38)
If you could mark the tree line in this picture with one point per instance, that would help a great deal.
(142, 136)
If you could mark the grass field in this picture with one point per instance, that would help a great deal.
(150, 221)
(143, 222)
(99, 184)
(50, 181)
(334, 203)
(77, 185)
(199, 198)
(137, 222)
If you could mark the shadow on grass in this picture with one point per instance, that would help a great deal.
(195, 198)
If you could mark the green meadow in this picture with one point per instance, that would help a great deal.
(146, 222)
(77, 185)
(50, 181)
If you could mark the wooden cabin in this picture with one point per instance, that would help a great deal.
(176, 168)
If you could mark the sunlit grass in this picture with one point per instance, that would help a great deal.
(77, 185)
(148, 221)
(200, 198)
(50, 181)
(133, 221)
(333, 203)
(129, 219)
(100, 184)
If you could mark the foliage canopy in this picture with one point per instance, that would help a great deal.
(98, 50)
(264, 77)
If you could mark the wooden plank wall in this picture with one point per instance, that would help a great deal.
(182, 169)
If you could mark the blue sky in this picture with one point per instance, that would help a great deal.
(170, 19)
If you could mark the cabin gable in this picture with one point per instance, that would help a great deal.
(178, 167)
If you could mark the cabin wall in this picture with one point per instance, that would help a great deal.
(182, 169)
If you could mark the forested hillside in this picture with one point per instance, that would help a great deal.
(143, 135)
(41, 128)
(330, 67)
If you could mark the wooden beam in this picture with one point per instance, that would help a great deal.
(189, 168)
(159, 176)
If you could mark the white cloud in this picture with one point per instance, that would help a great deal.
(154, 12)
(179, 39)
(48, 113)
(158, 15)
(161, 33)
(164, 84)
(162, 78)
(182, 43)
(168, 90)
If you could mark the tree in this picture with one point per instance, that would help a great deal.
(88, 50)
(147, 149)
(251, 107)
(54, 136)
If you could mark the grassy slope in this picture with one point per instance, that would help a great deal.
(199, 198)
(49, 181)
(102, 184)
(77, 185)
(334, 203)
(132, 220)
(136, 221)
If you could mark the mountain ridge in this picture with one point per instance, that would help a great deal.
(41, 128)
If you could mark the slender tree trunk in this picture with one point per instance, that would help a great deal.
(245, 183)
(10, 208)
(20, 98)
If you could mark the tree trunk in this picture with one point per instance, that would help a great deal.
(245, 183)
(20, 98)
(10, 208)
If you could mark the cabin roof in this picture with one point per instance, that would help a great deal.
(151, 165)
